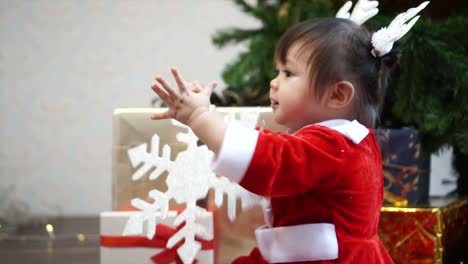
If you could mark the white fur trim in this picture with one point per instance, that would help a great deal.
(352, 130)
(236, 152)
(298, 243)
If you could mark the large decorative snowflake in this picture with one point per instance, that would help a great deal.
(189, 179)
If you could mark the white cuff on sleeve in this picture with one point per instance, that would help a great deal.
(236, 152)
(309, 242)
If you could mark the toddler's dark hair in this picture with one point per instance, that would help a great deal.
(340, 50)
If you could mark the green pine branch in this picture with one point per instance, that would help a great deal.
(430, 93)
(233, 36)
(262, 11)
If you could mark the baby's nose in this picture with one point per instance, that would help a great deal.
(274, 84)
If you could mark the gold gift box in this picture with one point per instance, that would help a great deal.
(433, 233)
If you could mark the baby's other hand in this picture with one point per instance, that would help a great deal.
(185, 104)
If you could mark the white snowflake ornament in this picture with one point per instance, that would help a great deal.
(189, 179)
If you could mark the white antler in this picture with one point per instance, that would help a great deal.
(383, 39)
(343, 12)
(363, 11)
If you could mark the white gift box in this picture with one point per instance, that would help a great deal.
(112, 224)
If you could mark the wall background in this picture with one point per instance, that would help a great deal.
(64, 67)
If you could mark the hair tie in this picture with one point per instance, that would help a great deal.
(375, 53)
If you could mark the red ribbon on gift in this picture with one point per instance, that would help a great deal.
(163, 233)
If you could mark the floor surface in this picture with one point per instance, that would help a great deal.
(74, 240)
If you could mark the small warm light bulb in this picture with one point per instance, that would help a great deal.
(81, 237)
(50, 231)
(49, 228)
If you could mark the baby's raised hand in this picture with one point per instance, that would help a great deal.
(186, 103)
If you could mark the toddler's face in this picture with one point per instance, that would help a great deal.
(292, 98)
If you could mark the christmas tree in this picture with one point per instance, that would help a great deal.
(430, 94)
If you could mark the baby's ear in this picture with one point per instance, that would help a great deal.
(340, 94)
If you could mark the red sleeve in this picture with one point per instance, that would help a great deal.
(284, 165)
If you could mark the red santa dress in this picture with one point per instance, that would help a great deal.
(325, 186)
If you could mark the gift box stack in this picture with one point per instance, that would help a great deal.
(132, 127)
(414, 228)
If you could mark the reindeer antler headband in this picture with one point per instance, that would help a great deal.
(363, 10)
(383, 39)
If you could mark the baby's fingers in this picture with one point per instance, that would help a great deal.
(172, 94)
(195, 87)
(179, 80)
(210, 88)
(164, 115)
(161, 93)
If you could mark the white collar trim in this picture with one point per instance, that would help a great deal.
(350, 129)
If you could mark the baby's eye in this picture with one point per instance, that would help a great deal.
(287, 73)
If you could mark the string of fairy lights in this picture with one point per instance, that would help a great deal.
(50, 235)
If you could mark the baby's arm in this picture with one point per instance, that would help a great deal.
(190, 106)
